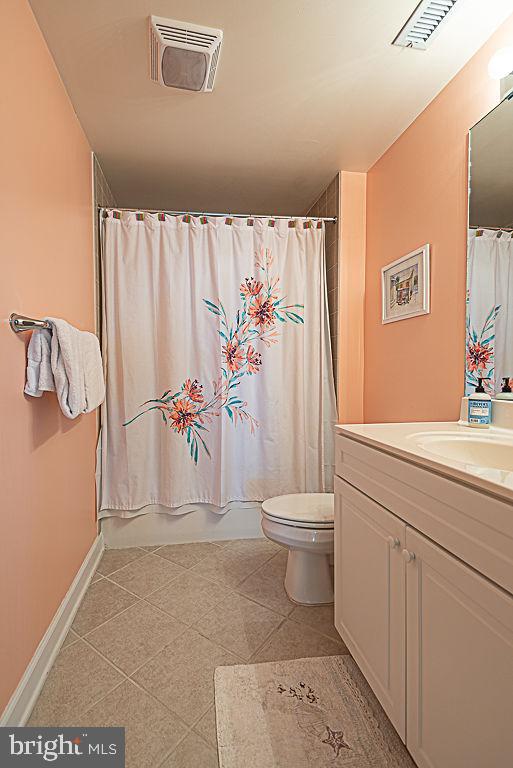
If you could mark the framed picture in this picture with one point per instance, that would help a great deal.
(405, 286)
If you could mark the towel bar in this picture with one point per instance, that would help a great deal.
(21, 323)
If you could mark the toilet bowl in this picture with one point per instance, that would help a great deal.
(303, 524)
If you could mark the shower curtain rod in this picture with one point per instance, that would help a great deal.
(216, 215)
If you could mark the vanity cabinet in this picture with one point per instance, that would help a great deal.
(370, 594)
(432, 635)
(459, 639)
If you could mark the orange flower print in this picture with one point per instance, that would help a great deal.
(262, 306)
(254, 360)
(261, 311)
(478, 356)
(234, 354)
(193, 390)
(250, 287)
(182, 415)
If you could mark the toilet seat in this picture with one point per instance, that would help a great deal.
(301, 510)
(298, 523)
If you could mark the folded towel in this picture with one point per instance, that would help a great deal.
(76, 367)
(39, 369)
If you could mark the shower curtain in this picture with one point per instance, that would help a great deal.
(489, 346)
(219, 374)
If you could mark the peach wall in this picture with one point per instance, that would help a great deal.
(352, 218)
(417, 193)
(47, 462)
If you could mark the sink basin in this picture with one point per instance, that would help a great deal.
(481, 451)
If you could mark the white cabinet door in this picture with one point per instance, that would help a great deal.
(459, 662)
(370, 594)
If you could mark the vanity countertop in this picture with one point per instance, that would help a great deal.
(481, 458)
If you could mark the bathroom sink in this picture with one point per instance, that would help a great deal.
(481, 451)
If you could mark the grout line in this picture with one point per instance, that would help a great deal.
(127, 678)
(231, 590)
(135, 559)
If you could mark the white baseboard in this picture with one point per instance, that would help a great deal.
(161, 527)
(24, 697)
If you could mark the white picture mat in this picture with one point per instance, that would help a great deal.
(419, 304)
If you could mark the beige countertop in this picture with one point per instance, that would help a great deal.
(451, 449)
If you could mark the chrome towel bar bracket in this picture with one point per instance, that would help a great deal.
(21, 323)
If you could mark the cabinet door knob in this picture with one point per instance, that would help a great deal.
(394, 542)
(408, 556)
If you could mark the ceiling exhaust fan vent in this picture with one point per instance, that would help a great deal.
(424, 23)
(183, 55)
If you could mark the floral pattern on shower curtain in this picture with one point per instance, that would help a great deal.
(489, 342)
(219, 374)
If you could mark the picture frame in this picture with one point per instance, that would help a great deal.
(405, 286)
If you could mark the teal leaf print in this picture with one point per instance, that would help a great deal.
(188, 412)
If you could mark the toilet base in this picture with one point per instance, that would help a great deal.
(308, 578)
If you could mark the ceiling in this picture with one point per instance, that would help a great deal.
(303, 89)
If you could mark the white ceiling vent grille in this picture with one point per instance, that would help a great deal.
(183, 55)
(424, 23)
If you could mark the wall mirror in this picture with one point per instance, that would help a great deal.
(489, 337)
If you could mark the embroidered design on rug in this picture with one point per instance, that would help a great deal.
(302, 692)
(187, 411)
(306, 695)
(335, 739)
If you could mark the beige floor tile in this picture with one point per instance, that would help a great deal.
(297, 641)
(151, 731)
(233, 563)
(130, 639)
(192, 752)
(101, 602)
(96, 577)
(152, 547)
(71, 637)
(182, 675)
(77, 680)
(222, 542)
(187, 555)
(188, 597)
(206, 727)
(114, 559)
(262, 546)
(239, 625)
(265, 585)
(320, 617)
(146, 575)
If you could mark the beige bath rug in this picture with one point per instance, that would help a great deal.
(303, 714)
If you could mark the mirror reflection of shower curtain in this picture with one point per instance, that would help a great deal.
(219, 373)
(489, 345)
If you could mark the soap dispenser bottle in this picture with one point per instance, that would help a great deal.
(505, 393)
(480, 407)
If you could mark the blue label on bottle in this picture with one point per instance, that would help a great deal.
(479, 411)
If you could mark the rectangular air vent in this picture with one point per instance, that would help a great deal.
(424, 23)
(183, 55)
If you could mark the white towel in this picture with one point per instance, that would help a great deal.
(39, 369)
(75, 362)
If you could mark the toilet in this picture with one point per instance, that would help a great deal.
(303, 524)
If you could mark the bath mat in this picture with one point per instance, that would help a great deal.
(303, 713)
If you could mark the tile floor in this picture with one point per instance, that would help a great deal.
(153, 626)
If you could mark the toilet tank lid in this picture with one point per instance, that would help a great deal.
(303, 507)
